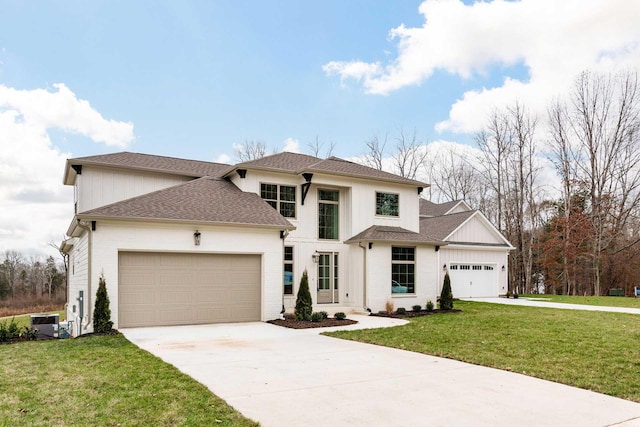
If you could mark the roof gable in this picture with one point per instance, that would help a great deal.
(470, 227)
(202, 200)
(282, 162)
(428, 208)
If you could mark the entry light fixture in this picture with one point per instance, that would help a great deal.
(315, 257)
(196, 238)
(444, 267)
(503, 268)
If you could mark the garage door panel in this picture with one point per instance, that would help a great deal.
(473, 280)
(179, 289)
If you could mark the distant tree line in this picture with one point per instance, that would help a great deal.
(23, 278)
(582, 238)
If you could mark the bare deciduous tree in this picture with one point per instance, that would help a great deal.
(410, 155)
(316, 147)
(250, 150)
(375, 152)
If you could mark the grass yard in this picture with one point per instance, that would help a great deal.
(597, 351)
(102, 380)
(629, 302)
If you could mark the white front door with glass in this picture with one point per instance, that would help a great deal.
(328, 278)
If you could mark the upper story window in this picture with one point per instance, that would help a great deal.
(288, 270)
(281, 197)
(328, 214)
(387, 204)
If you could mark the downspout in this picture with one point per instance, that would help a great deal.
(364, 278)
(87, 228)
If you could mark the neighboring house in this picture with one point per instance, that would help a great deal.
(476, 255)
(187, 242)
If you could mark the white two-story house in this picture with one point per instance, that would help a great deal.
(187, 242)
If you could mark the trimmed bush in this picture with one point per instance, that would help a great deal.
(316, 317)
(324, 314)
(417, 308)
(429, 305)
(446, 296)
(401, 310)
(340, 316)
(303, 300)
(389, 306)
(102, 313)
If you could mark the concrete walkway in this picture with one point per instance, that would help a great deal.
(533, 302)
(286, 377)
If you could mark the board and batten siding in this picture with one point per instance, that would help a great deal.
(78, 279)
(102, 186)
(475, 231)
(113, 237)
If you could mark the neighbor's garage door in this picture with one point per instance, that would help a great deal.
(183, 289)
(473, 280)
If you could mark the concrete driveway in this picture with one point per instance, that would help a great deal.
(541, 302)
(286, 377)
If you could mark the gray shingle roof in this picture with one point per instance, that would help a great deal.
(201, 200)
(335, 165)
(287, 162)
(440, 227)
(379, 233)
(428, 208)
(300, 163)
(192, 168)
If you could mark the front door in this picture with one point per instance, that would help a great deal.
(328, 278)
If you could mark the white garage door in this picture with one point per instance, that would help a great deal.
(473, 280)
(183, 289)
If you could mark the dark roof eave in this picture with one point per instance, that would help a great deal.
(403, 181)
(397, 241)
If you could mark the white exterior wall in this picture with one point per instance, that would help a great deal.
(98, 186)
(379, 278)
(475, 230)
(475, 255)
(112, 237)
(78, 280)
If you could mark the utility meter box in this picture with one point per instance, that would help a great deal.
(46, 324)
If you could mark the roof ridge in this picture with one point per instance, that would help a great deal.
(150, 155)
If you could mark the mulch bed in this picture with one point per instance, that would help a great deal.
(290, 322)
(411, 314)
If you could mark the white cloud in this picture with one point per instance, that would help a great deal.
(37, 207)
(222, 158)
(554, 41)
(291, 145)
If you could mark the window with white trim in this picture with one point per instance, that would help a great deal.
(387, 204)
(403, 267)
(281, 197)
(288, 270)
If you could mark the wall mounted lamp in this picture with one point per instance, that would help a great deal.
(503, 268)
(315, 257)
(444, 267)
(196, 237)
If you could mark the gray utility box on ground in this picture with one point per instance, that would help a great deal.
(46, 324)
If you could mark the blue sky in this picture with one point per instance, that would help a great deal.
(191, 78)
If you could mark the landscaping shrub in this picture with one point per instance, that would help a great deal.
(324, 314)
(303, 300)
(316, 317)
(401, 310)
(446, 296)
(429, 305)
(9, 330)
(389, 306)
(417, 307)
(340, 316)
(102, 313)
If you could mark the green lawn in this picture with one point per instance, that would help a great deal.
(602, 301)
(597, 351)
(105, 381)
